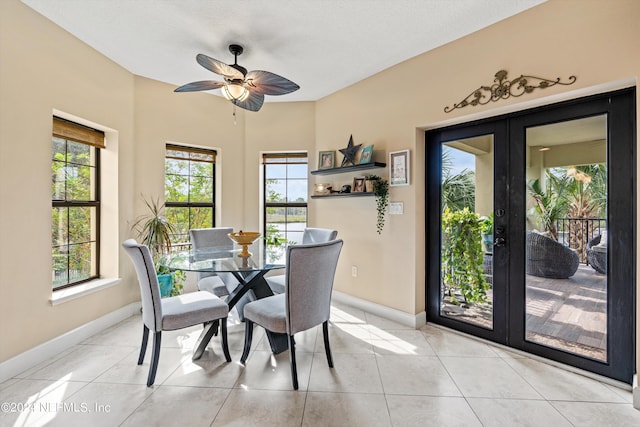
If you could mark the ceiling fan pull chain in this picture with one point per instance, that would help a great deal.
(234, 115)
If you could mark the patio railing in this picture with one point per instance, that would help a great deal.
(577, 232)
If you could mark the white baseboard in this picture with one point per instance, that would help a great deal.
(40, 353)
(636, 392)
(412, 320)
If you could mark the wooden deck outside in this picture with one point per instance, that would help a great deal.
(568, 314)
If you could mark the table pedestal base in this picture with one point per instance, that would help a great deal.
(254, 281)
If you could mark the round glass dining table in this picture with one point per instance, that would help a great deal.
(226, 259)
(249, 272)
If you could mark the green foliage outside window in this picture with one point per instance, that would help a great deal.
(285, 189)
(74, 211)
(189, 190)
(458, 189)
(462, 256)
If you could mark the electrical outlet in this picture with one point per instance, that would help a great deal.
(354, 271)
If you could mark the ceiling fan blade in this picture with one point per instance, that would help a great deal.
(227, 71)
(269, 83)
(202, 85)
(252, 103)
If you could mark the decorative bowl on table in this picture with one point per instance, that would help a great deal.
(244, 238)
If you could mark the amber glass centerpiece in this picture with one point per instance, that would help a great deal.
(244, 238)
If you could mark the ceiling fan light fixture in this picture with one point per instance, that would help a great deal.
(235, 92)
(245, 89)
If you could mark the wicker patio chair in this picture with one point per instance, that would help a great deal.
(548, 258)
(597, 256)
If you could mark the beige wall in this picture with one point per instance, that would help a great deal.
(277, 127)
(193, 119)
(593, 40)
(44, 68)
(581, 153)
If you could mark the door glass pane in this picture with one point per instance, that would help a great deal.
(566, 236)
(467, 230)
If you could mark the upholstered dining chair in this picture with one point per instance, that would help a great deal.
(310, 235)
(219, 284)
(172, 313)
(305, 303)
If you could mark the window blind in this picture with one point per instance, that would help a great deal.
(74, 132)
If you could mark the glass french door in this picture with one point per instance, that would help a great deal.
(566, 237)
(531, 231)
(467, 168)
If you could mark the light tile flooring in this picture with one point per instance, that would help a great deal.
(385, 375)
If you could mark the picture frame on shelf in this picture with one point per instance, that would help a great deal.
(327, 160)
(358, 185)
(399, 168)
(367, 155)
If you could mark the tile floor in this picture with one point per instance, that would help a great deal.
(385, 375)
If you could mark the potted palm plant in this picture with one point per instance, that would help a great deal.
(155, 230)
(550, 204)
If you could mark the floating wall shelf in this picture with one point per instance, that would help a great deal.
(354, 168)
(324, 196)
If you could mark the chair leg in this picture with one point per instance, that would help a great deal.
(248, 335)
(143, 348)
(327, 349)
(225, 343)
(292, 356)
(155, 356)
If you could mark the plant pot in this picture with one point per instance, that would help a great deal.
(487, 239)
(166, 284)
(368, 185)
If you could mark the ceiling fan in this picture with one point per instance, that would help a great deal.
(244, 89)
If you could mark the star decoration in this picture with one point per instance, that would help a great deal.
(350, 152)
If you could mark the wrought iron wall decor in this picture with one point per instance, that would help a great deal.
(503, 89)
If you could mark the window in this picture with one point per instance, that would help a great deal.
(285, 196)
(75, 194)
(189, 189)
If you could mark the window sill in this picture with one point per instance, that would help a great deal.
(68, 294)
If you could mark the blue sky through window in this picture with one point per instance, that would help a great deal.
(459, 160)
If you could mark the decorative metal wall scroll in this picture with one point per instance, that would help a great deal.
(503, 89)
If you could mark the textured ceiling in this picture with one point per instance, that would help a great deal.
(322, 45)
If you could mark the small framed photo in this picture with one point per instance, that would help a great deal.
(327, 160)
(358, 185)
(367, 154)
(399, 167)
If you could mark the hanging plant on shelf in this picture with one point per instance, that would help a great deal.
(381, 193)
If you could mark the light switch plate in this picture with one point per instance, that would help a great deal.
(396, 208)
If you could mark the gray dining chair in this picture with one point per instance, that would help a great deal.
(310, 235)
(220, 284)
(305, 303)
(172, 313)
